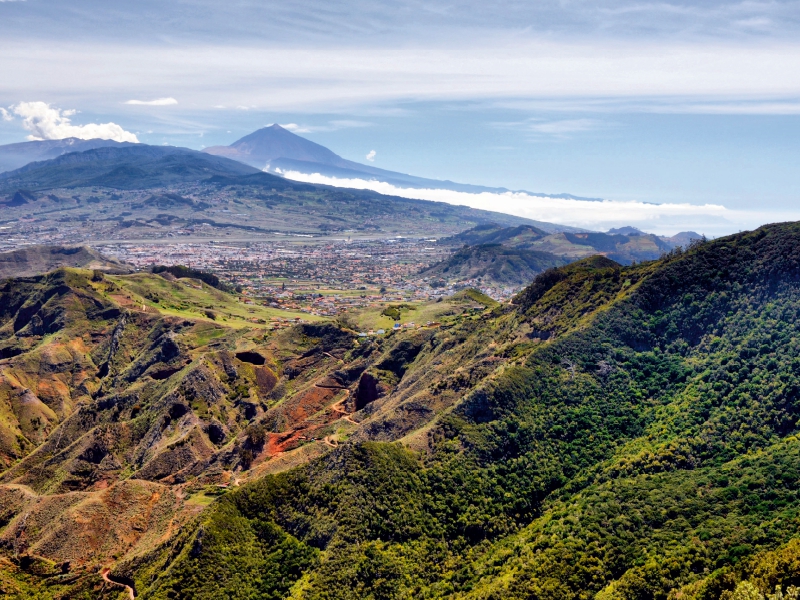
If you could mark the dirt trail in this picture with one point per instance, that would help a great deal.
(279, 443)
(113, 581)
(339, 408)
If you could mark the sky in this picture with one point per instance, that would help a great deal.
(671, 104)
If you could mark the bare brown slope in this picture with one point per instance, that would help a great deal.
(37, 260)
(121, 424)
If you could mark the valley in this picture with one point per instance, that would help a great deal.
(615, 432)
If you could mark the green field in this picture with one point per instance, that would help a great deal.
(418, 313)
(193, 299)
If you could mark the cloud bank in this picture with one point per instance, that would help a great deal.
(156, 102)
(48, 123)
(664, 219)
(662, 76)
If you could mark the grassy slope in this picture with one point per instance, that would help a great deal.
(494, 264)
(191, 298)
(647, 445)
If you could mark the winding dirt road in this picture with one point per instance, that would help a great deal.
(105, 575)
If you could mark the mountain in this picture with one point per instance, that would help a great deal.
(617, 432)
(276, 150)
(37, 260)
(627, 230)
(127, 167)
(153, 192)
(14, 156)
(492, 265)
(684, 238)
(492, 233)
(571, 245)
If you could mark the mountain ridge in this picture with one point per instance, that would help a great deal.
(277, 150)
(616, 432)
(15, 156)
(38, 260)
(127, 167)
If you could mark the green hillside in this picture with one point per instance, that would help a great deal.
(617, 433)
(647, 447)
(629, 246)
(493, 264)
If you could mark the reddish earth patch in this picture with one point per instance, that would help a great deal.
(308, 403)
(283, 442)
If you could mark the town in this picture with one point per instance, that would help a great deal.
(323, 278)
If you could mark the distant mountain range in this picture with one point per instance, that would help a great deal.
(493, 264)
(195, 193)
(14, 156)
(624, 245)
(129, 166)
(276, 150)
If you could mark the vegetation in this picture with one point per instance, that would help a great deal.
(624, 246)
(493, 264)
(618, 433)
(649, 447)
(180, 271)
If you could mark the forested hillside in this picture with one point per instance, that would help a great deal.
(616, 433)
(639, 444)
(493, 264)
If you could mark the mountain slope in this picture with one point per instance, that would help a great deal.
(648, 443)
(14, 156)
(492, 233)
(203, 195)
(129, 167)
(617, 433)
(277, 150)
(37, 260)
(493, 264)
(624, 248)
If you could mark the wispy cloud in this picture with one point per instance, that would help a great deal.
(294, 127)
(553, 128)
(5, 115)
(334, 125)
(156, 102)
(45, 122)
(371, 155)
(334, 78)
(657, 105)
(564, 126)
(665, 219)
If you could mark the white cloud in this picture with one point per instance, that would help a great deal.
(371, 156)
(156, 102)
(560, 128)
(304, 78)
(665, 219)
(674, 105)
(48, 123)
(294, 128)
(334, 125)
(5, 115)
(564, 126)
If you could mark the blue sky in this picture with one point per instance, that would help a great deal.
(658, 102)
